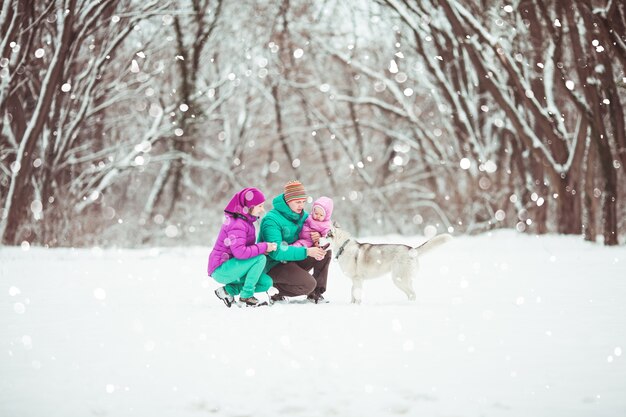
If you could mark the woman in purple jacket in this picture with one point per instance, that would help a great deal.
(236, 260)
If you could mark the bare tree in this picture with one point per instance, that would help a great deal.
(133, 120)
(46, 133)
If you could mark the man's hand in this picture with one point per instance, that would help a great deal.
(315, 236)
(315, 252)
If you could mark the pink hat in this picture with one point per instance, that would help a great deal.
(245, 200)
(326, 204)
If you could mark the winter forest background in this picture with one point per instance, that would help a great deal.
(131, 122)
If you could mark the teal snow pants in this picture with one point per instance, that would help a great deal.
(243, 276)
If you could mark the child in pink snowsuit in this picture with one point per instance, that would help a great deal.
(318, 221)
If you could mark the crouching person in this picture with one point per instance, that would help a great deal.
(289, 266)
(236, 260)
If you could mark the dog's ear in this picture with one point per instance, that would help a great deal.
(336, 225)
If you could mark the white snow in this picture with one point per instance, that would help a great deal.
(505, 325)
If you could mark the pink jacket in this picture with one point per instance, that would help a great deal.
(312, 225)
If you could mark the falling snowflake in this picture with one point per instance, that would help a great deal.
(490, 167)
(430, 231)
(99, 294)
(393, 67)
(171, 231)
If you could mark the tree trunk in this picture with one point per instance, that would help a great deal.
(540, 212)
(609, 192)
(589, 199)
(19, 197)
(568, 207)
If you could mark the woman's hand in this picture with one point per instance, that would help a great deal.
(315, 252)
(271, 247)
(315, 237)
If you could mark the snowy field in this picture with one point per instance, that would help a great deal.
(504, 325)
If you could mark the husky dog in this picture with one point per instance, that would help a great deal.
(361, 261)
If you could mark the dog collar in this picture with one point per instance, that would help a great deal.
(340, 251)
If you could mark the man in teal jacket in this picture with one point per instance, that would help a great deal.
(289, 265)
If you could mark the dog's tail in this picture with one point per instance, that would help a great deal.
(433, 243)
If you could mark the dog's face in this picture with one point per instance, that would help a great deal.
(336, 236)
(324, 242)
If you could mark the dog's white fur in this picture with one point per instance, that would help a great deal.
(361, 261)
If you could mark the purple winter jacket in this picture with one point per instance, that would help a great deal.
(236, 238)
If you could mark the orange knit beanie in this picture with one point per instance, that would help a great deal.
(294, 190)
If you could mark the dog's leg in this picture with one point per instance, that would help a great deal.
(405, 284)
(357, 290)
(402, 277)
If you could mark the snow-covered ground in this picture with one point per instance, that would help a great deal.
(504, 325)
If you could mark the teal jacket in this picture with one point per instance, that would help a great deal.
(282, 226)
